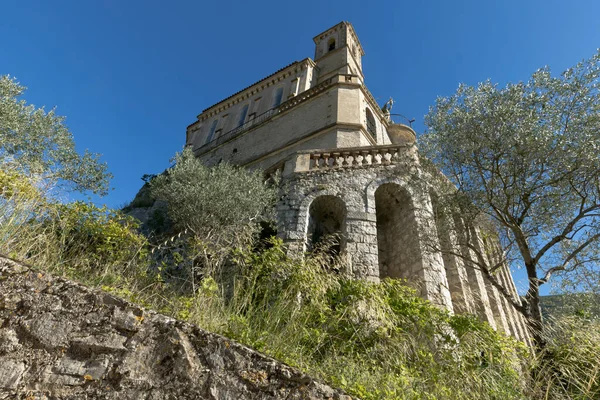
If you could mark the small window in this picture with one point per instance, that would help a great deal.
(331, 44)
(213, 127)
(243, 115)
(371, 127)
(277, 97)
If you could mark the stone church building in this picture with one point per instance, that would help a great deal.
(348, 170)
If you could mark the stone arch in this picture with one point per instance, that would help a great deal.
(397, 234)
(375, 184)
(326, 220)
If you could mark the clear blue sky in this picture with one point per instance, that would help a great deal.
(131, 75)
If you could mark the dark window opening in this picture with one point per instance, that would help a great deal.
(331, 45)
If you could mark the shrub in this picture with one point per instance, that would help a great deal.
(219, 208)
(78, 239)
(96, 241)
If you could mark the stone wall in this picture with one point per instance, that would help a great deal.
(61, 340)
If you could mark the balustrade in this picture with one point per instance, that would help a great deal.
(374, 156)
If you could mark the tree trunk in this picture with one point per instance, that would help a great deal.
(534, 311)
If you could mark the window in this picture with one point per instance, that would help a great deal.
(371, 127)
(213, 127)
(243, 114)
(331, 44)
(277, 97)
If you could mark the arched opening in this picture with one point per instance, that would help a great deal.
(397, 241)
(327, 224)
(331, 44)
(371, 127)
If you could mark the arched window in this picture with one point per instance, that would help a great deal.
(331, 44)
(371, 126)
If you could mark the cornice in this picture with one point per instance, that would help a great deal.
(251, 90)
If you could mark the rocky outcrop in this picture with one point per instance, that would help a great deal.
(62, 340)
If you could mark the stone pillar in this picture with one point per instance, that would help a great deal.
(291, 223)
(476, 282)
(361, 245)
(493, 294)
(460, 291)
(432, 273)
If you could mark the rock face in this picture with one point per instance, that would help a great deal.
(61, 340)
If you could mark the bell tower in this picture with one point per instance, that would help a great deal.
(338, 51)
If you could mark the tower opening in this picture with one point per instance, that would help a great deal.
(331, 44)
(397, 241)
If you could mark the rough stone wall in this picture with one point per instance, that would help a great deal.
(61, 340)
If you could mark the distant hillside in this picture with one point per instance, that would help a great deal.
(571, 304)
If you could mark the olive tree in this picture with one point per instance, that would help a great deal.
(38, 143)
(220, 207)
(527, 156)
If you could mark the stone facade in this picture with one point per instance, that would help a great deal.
(349, 170)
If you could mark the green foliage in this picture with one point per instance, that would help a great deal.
(569, 367)
(13, 185)
(38, 143)
(107, 239)
(77, 239)
(373, 340)
(220, 207)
